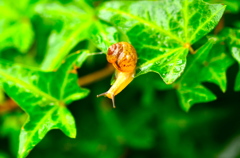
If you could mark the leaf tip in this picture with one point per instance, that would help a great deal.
(223, 89)
(224, 5)
(170, 81)
(73, 136)
(236, 88)
(186, 108)
(187, 105)
(22, 153)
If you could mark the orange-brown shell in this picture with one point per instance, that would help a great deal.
(123, 56)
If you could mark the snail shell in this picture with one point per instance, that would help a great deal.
(123, 56)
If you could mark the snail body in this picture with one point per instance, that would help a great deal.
(123, 57)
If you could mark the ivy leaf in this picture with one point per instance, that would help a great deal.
(60, 44)
(15, 26)
(44, 96)
(56, 10)
(100, 33)
(162, 31)
(233, 6)
(233, 40)
(103, 35)
(211, 65)
(76, 23)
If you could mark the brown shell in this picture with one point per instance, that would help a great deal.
(123, 56)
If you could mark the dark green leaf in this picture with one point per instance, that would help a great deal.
(233, 6)
(210, 65)
(233, 40)
(11, 127)
(136, 136)
(3, 155)
(194, 94)
(237, 82)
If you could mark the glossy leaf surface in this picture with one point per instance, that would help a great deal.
(162, 31)
(44, 96)
(233, 6)
(210, 62)
(103, 35)
(76, 23)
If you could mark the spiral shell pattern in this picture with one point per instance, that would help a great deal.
(123, 56)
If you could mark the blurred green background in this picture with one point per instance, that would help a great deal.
(147, 122)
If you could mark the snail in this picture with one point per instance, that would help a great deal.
(123, 57)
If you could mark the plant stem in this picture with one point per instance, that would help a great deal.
(220, 26)
(96, 76)
(8, 105)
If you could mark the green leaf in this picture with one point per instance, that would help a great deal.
(11, 126)
(60, 44)
(7, 12)
(103, 35)
(15, 27)
(211, 65)
(78, 25)
(162, 31)
(233, 6)
(233, 40)
(3, 155)
(237, 82)
(18, 34)
(75, 28)
(55, 11)
(188, 88)
(192, 95)
(43, 95)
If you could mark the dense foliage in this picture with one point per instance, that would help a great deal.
(52, 55)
